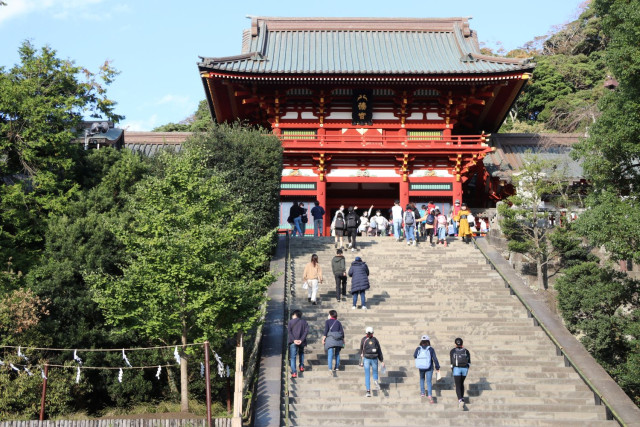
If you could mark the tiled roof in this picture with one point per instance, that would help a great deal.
(150, 143)
(510, 149)
(362, 46)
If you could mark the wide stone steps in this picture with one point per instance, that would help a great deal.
(516, 378)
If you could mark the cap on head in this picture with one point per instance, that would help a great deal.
(369, 329)
(424, 338)
(458, 341)
(358, 258)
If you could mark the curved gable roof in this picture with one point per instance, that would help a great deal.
(362, 46)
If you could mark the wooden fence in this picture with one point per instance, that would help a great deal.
(215, 422)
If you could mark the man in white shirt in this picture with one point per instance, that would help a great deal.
(396, 218)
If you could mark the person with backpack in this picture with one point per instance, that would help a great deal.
(339, 227)
(409, 225)
(381, 224)
(317, 212)
(333, 341)
(426, 360)
(297, 331)
(339, 268)
(422, 213)
(460, 362)
(429, 225)
(370, 354)
(441, 223)
(353, 221)
(359, 273)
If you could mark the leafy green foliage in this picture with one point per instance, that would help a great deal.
(522, 221)
(20, 393)
(594, 301)
(191, 258)
(200, 121)
(42, 102)
(250, 162)
(567, 80)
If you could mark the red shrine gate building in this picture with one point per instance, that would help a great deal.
(370, 110)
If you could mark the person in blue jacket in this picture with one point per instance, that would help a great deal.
(359, 273)
(426, 360)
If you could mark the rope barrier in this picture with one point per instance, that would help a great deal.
(86, 350)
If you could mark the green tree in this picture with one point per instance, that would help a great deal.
(601, 305)
(522, 221)
(194, 271)
(42, 101)
(610, 154)
(250, 162)
(200, 121)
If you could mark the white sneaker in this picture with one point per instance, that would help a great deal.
(364, 307)
(349, 246)
(375, 382)
(353, 308)
(414, 243)
(461, 405)
(353, 250)
(408, 242)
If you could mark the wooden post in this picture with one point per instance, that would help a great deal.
(322, 199)
(404, 193)
(44, 391)
(236, 420)
(207, 375)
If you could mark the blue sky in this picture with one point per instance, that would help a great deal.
(156, 44)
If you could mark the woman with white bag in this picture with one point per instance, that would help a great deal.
(312, 276)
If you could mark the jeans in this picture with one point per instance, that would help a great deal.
(370, 363)
(455, 228)
(363, 300)
(341, 285)
(459, 374)
(409, 232)
(313, 289)
(428, 373)
(397, 226)
(330, 354)
(297, 226)
(442, 233)
(317, 227)
(295, 350)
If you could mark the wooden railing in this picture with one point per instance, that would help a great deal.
(385, 141)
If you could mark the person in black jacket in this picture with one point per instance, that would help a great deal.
(297, 329)
(353, 222)
(359, 273)
(295, 219)
(370, 354)
(460, 362)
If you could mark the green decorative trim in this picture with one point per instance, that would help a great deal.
(431, 187)
(299, 133)
(413, 135)
(297, 185)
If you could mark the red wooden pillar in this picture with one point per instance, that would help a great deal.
(404, 193)
(321, 195)
(457, 191)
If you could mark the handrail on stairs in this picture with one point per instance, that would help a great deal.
(560, 351)
(288, 274)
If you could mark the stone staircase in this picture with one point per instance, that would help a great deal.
(515, 377)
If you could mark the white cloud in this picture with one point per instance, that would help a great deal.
(140, 125)
(59, 9)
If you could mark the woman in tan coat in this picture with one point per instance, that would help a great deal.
(312, 275)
